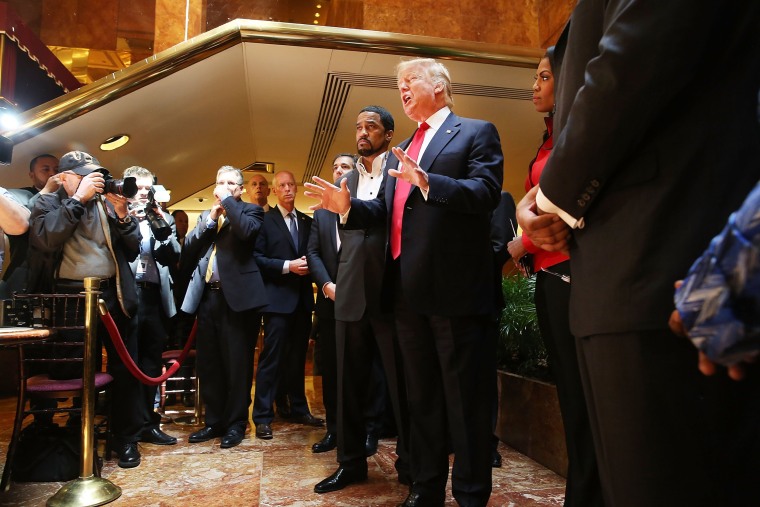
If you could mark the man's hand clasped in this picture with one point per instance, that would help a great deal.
(545, 230)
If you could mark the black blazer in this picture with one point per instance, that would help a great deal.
(362, 264)
(655, 155)
(445, 248)
(322, 255)
(273, 247)
(238, 272)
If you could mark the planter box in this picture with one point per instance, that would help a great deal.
(529, 420)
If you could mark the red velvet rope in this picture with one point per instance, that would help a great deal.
(121, 350)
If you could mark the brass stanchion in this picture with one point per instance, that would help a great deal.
(87, 490)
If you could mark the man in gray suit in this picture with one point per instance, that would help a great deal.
(360, 321)
(653, 150)
(155, 300)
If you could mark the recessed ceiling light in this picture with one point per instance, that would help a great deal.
(114, 142)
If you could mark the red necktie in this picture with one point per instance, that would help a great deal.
(403, 188)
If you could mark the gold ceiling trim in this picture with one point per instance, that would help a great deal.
(120, 83)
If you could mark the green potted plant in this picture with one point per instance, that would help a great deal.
(520, 349)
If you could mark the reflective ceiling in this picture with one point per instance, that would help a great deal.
(253, 91)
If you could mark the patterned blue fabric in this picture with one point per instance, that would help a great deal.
(719, 301)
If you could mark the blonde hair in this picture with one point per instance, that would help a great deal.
(435, 71)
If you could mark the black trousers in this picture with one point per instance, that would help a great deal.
(583, 488)
(449, 395)
(280, 370)
(329, 369)
(224, 350)
(665, 434)
(357, 345)
(151, 339)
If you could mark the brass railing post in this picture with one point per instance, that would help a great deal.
(87, 490)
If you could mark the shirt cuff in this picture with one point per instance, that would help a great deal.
(286, 267)
(544, 204)
(344, 217)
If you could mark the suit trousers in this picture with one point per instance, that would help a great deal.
(665, 434)
(281, 364)
(224, 350)
(449, 396)
(583, 488)
(329, 370)
(151, 338)
(357, 343)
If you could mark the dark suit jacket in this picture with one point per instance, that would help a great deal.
(166, 254)
(273, 247)
(322, 255)
(653, 147)
(445, 250)
(238, 272)
(503, 227)
(362, 264)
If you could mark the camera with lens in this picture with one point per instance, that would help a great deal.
(158, 226)
(126, 187)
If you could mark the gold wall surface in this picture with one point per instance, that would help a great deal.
(97, 37)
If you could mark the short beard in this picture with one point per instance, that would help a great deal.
(366, 152)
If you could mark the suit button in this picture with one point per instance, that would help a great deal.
(586, 197)
(595, 183)
(590, 190)
(581, 203)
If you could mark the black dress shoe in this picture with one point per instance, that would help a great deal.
(340, 479)
(203, 435)
(129, 456)
(264, 431)
(328, 443)
(308, 420)
(370, 446)
(415, 499)
(158, 437)
(232, 438)
(495, 459)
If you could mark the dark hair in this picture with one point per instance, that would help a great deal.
(35, 159)
(349, 155)
(385, 116)
(550, 55)
(174, 213)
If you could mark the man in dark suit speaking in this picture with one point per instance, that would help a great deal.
(653, 149)
(226, 289)
(438, 279)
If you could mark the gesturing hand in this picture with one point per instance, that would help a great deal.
(330, 197)
(410, 170)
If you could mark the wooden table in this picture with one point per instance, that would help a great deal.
(10, 336)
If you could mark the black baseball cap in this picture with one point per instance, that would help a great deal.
(80, 163)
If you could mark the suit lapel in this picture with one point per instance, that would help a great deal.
(448, 129)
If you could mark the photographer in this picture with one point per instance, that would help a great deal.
(159, 250)
(83, 230)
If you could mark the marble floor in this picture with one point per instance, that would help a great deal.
(277, 472)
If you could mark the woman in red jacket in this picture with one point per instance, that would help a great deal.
(552, 297)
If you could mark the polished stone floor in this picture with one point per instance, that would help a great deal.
(277, 472)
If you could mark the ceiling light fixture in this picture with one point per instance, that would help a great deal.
(114, 142)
